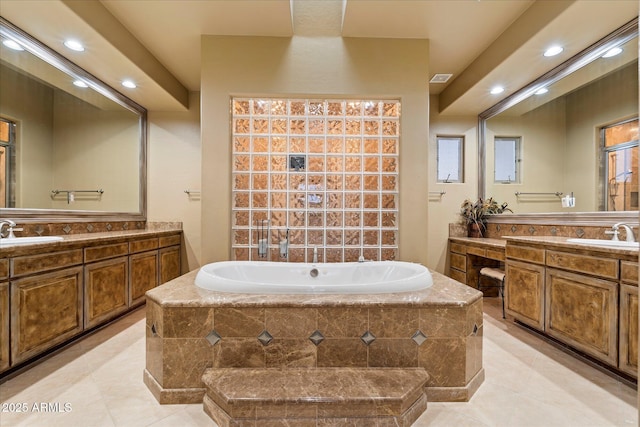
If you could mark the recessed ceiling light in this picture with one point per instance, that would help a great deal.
(74, 45)
(541, 91)
(129, 83)
(12, 45)
(80, 83)
(612, 52)
(496, 90)
(553, 51)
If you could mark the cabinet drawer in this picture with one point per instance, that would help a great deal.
(98, 253)
(4, 268)
(458, 275)
(143, 245)
(458, 248)
(629, 272)
(169, 240)
(29, 264)
(493, 254)
(603, 267)
(476, 251)
(525, 253)
(459, 262)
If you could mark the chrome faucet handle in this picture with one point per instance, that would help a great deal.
(615, 233)
(630, 237)
(8, 232)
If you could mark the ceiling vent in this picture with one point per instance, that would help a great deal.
(440, 78)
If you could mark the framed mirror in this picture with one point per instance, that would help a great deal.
(71, 147)
(565, 147)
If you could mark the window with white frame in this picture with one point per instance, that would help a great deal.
(450, 158)
(507, 160)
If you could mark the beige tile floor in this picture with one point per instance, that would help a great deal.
(528, 383)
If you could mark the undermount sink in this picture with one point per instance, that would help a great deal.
(28, 240)
(609, 243)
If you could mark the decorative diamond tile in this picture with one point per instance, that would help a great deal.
(419, 337)
(316, 337)
(265, 337)
(368, 338)
(554, 231)
(109, 227)
(475, 329)
(532, 230)
(154, 330)
(125, 226)
(39, 230)
(514, 228)
(579, 232)
(89, 228)
(213, 337)
(67, 229)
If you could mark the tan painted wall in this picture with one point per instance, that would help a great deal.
(173, 166)
(444, 209)
(307, 66)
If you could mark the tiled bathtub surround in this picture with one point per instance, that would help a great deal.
(181, 316)
(326, 170)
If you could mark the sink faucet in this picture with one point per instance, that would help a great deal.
(615, 228)
(7, 228)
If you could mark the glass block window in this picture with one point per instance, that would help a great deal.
(319, 172)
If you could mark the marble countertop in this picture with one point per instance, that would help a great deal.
(72, 241)
(182, 292)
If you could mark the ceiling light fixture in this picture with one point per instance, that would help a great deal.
(74, 45)
(541, 91)
(496, 90)
(80, 83)
(612, 52)
(12, 44)
(129, 83)
(553, 51)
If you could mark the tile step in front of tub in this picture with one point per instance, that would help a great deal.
(368, 397)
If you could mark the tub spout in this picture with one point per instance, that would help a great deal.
(315, 254)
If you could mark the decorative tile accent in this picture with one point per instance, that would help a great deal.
(579, 232)
(125, 226)
(213, 337)
(39, 230)
(89, 228)
(67, 229)
(316, 337)
(367, 338)
(265, 337)
(154, 330)
(109, 226)
(419, 337)
(475, 329)
(532, 230)
(514, 228)
(553, 231)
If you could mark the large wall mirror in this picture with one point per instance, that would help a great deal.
(70, 146)
(572, 132)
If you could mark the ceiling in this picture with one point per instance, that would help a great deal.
(482, 43)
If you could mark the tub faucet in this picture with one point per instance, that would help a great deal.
(615, 228)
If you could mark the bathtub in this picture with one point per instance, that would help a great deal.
(260, 277)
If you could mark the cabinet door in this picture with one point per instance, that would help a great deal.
(4, 326)
(582, 311)
(169, 263)
(629, 330)
(106, 290)
(46, 310)
(143, 274)
(524, 293)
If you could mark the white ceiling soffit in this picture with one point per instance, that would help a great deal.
(578, 26)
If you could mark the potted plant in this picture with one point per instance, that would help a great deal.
(475, 214)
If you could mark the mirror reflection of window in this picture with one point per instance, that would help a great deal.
(507, 160)
(7, 159)
(620, 142)
(449, 158)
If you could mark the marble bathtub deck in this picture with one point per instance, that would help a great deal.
(528, 383)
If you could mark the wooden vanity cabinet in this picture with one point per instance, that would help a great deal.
(143, 273)
(169, 255)
(628, 332)
(106, 290)
(582, 311)
(524, 293)
(4, 326)
(46, 310)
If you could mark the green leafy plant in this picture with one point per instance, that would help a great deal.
(476, 212)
